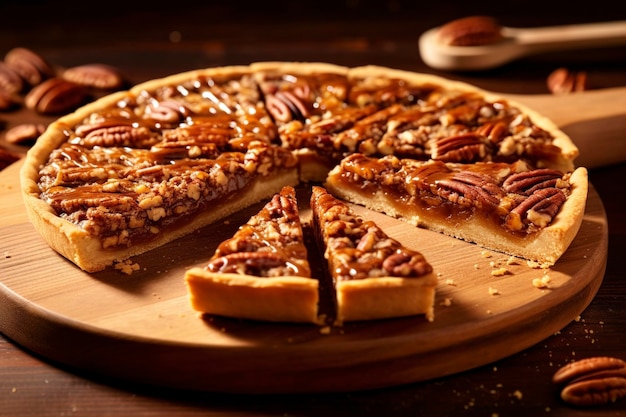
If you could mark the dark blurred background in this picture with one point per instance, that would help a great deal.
(173, 36)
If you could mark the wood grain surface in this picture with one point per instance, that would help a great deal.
(140, 327)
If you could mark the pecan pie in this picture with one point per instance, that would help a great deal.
(374, 275)
(262, 272)
(139, 168)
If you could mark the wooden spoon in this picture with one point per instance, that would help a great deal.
(514, 43)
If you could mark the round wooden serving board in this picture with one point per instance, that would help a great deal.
(140, 327)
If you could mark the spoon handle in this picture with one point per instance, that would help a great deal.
(587, 35)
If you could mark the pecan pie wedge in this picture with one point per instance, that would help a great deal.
(374, 275)
(262, 272)
(532, 213)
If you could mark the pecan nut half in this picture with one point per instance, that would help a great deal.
(466, 147)
(470, 189)
(31, 66)
(527, 182)
(10, 81)
(55, 96)
(95, 75)
(286, 106)
(25, 133)
(7, 158)
(592, 381)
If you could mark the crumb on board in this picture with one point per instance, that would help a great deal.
(499, 272)
(537, 265)
(543, 282)
(493, 291)
(127, 266)
(447, 302)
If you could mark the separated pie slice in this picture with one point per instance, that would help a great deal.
(374, 275)
(262, 272)
(532, 213)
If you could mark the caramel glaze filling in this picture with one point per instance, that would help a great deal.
(514, 198)
(357, 248)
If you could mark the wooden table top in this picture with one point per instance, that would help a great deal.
(147, 44)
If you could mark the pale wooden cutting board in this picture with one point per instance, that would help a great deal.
(140, 327)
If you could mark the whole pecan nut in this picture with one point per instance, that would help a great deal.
(7, 158)
(25, 133)
(95, 75)
(564, 81)
(31, 66)
(10, 81)
(592, 381)
(55, 96)
(461, 148)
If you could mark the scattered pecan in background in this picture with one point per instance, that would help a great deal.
(7, 158)
(28, 80)
(24, 134)
(592, 381)
(565, 81)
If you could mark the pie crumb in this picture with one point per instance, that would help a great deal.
(499, 272)
(543, 282)
(493, 291)
(127, 266)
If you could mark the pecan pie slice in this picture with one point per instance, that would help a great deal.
(532, 213)
(374, 275)
(262, 272)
